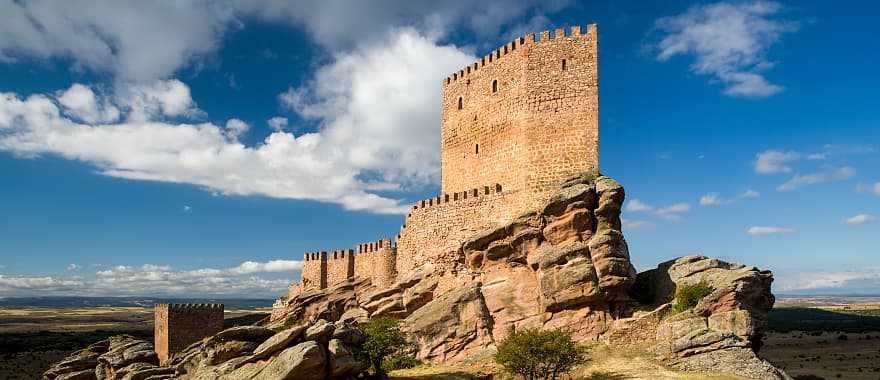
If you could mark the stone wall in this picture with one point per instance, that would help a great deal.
(439, 225)
(179, 325)
(340, 266)
(523, 118)
(377, 261)
(314, 272)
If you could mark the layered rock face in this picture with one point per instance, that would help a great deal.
(721, 333)
(566, 265)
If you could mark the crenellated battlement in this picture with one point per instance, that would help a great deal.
(521, 42)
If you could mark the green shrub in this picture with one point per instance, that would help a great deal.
(384, 338)
(396, 362)
(539, 354)
(688, 296)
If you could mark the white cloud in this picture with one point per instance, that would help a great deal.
(636, 205)
(861, 219)
(674, 211)
(106, 36)
(715, 199)
(631, 224)
(235, 128)
(79, 101)
(829, 175)
(277, 123)
(343, 24)
(728, 41)
(671, 212)
(149, 279)
(872, 189)
(767, 230)
(386, 117)
(311, 166)
(868, 278)
(103, 36)
(775, 161)
(186, 208)
(72, 267)
(249, 267)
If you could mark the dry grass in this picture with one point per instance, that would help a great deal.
(605, 364)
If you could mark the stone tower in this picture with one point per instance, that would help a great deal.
(525, 116)
(176, 326)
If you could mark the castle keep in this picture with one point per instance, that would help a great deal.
(179, 325)
(515, 124)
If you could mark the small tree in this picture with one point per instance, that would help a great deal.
(688, 296)
(383, 339)
(539, 354)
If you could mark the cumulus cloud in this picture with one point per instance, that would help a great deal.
(861, 219)
(150, 279)
(828, 175)
(146, 146)
(715, 199)
(72, 267)
(235, 128)
(727, 40)
(868, 278)
(768, 230)
(104, 35)
(277, 123)
(79, 101)
(387, 118)
(341, 24)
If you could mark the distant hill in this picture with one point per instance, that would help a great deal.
(230, 303)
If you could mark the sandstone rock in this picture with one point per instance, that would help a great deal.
(224, 351)
(321, 331)
(452, 326)
(255, 334)
(141, 371)
(739, 361)
(349, 334)
(355, 315)
(343, 361)
(88, 374)
(124, 350)
(305, 361)
(279, 341)
(85, 359)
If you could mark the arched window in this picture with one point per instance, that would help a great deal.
(563, 65)
(495, 85)
(460, 102)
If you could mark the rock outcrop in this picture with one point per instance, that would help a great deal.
(566, 265)
(721, 333)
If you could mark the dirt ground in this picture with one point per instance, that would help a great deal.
(829, 355)
(32, 338)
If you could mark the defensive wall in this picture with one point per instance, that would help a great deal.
(179, 325)
(523, 118)
(439, 225)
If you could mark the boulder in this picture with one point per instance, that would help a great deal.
(279, 341)
(343, 360)
(321, 331)
(305, 361)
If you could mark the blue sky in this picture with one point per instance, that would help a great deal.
(200, 148)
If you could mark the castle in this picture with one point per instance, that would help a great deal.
(514, 126)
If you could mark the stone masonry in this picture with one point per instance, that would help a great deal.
(179, 325)
(514, 126)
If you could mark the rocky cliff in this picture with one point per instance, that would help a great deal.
(566, 265)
